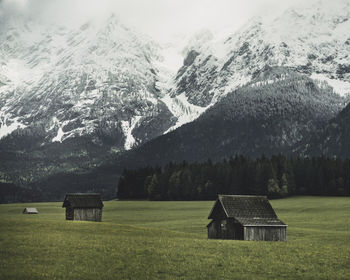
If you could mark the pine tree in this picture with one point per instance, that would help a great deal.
(174, 191)
(284, 185)
(154, 188)
(273, 189)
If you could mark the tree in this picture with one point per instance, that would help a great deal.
(122, 191)
(174, 191)
(273, 189)
(153, 188)
(284, 185)
(187, 184)
(208, 190)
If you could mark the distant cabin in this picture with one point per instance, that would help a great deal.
(83, 206)
(245, 218)
(29, 210)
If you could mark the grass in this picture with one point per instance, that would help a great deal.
(168, 240)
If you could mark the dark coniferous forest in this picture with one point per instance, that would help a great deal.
(275, 177)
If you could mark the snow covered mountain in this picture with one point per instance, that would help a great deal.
(73, 97)
(98, 80)
(105, 80)
(312, 38)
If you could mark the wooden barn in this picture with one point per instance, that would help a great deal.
(244, 217)
(83, 206)
(30, 210)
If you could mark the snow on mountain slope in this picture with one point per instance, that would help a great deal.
(184, 111)
(340, 87)
(127, 129)
(312, 38)
(98, 78)
(6, 128)
(75, 82)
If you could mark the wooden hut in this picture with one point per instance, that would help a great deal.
(245, 218)
(83, 206)
(30, 210)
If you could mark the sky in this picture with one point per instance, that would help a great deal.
(161, 19)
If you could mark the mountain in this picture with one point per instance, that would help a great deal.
(279, 115)
(98, 80)
(268, 117)
(311, 38)
(73, 96)
(80, 104)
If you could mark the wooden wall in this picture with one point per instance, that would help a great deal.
(88, 214)
(225, 229)
(228, 229)
(265, 233)
(213, 230)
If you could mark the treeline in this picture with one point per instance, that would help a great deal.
(277, 176)
(10, 193)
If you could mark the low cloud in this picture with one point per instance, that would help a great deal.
(161, 19)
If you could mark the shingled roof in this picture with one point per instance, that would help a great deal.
(247, 210)
(30, 210)
(83, 200)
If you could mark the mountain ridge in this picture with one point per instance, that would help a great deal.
(75, 98)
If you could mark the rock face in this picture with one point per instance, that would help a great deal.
(98, 80)
(312, 39)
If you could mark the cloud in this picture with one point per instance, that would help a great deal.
(162, 19)
(11, 6)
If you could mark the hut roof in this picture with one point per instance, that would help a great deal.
(30, 210)
(83, 200)
(247, 210)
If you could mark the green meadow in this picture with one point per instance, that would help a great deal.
(168, 240)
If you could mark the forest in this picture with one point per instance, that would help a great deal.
(277, 176)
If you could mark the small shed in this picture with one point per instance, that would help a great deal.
(243, 217)
(83, 206)
(30, 210)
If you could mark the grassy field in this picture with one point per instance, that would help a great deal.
(168, 240)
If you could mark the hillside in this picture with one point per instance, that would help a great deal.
(261, 118)
(334, 139)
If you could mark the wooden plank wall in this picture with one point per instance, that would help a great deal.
(213, 231)
(88, 214)
(225, 229)
(265, 233)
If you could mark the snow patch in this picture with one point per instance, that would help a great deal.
(168, 64)
(60, 133)
(54, 122)
(269, 82)
(8, 129)
(83, 103)
(128, 127)
(340, 87)
(59, 136)
(16, 71)
(184, 111)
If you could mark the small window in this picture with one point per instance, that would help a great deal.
(223, 224)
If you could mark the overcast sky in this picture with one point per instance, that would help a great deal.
(161, 19)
